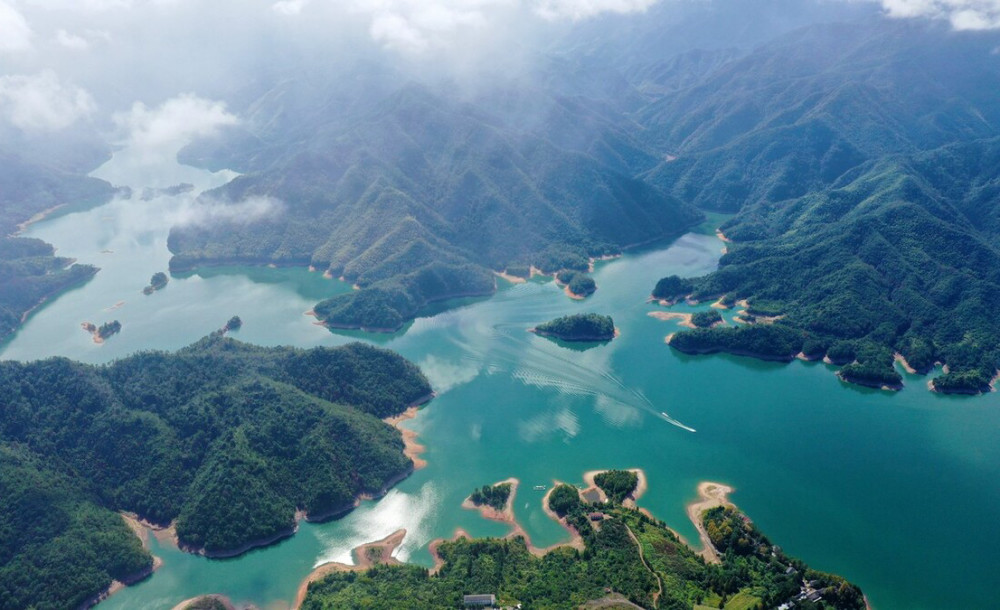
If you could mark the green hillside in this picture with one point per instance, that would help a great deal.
(420, 198)
(224, 439)
(627, 553)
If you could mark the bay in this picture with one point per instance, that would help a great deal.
(895, 491)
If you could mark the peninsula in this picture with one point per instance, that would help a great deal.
(624, 557)
(280, 433)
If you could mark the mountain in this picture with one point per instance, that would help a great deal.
(861, 162)
(30, 272)
(224, 439)
(420, 198)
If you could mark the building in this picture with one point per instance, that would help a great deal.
(479, 601)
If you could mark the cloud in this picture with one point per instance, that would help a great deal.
(71, 41)
(42, 102)
(585, 9)
(206, 213)
(159, 133)
(962, 14)
(289, 7)
(416, 26)
(15, 33)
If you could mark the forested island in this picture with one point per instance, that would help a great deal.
(627, 556)
(157, 282)
(104, 331)
(494, 496)
(578, 284)
(578, 327)
(166, 435)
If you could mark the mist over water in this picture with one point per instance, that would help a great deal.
(896, 492)
(830, 472)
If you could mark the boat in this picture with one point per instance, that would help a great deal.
(540, 488)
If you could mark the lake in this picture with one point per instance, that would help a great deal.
(894, 490)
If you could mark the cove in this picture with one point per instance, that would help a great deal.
(894, 491)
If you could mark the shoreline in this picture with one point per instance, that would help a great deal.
(37, 217)
(506, 515)
(710, 495)
(573, 295)
(513, 279)
(684, 318)
(411, 447)
(141, 530)
(225, 601)
(366, 556)
(583, 339)
(641, 486)
(897, 357)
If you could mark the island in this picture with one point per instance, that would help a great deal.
(280, 433)
(577, 284)
(706, 319)
(157, 282)
(620, 556)
(492, 496)
(102, 332)
(579, 327)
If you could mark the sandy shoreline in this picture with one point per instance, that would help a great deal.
(411, 447)
(710, 495)
(573, 295)
(630, 501)
(722, 236)
(684, 318)
(367, 556)
(513, 279)
(226, 602)
(506, 515)
(902, 362)
(40, 216)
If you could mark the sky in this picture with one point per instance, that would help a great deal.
(149, 69)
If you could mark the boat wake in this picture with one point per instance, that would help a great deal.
(508, 349)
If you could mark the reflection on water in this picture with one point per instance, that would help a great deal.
(834, 475)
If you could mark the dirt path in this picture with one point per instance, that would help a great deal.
(642, 558)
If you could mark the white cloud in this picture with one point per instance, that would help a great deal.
(42, 102)
(158, 133)
(584, 9)
(289, 7)
(421, 25)
(206, 213)
(71, 41)
(963, 14)
(15, 33)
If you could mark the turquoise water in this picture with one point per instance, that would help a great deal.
(896, 491)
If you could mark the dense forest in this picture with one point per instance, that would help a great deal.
(617, 484)
(157, 282)
(579, 327)
(30, 273)
(910, 271)
(867, 234)
(494, 496)
(224, 439)
(388, 304)
(667, 574)
(419, 184)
